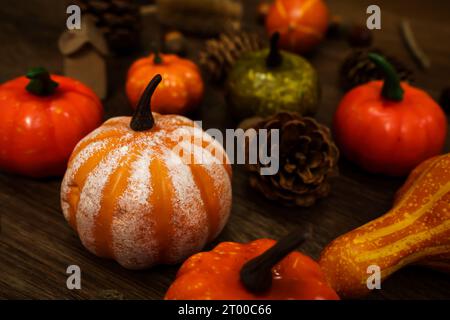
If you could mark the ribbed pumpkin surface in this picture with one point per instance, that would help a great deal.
(132, 197)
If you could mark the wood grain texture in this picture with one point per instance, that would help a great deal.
(37, 245)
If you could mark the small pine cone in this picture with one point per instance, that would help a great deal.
(307, 158)
(357, 69)
(119, 21)
(219, 55)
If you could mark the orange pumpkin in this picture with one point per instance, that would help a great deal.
(301, 23)
(42, 118)
(389, 126)
(133, 197)
(261, 269)
(180, 91)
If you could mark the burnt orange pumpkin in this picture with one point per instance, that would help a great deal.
(301, 23)
(262, 269)
(180, 91)
(134, 197)
(42, 118)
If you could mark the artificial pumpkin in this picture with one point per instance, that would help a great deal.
(148, 189)
(265, 82)
(389, 126)
(301, 23)
(261, 269)
(42, 118)
(415, 231)
(180, 91)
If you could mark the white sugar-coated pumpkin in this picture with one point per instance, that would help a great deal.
(135, 194)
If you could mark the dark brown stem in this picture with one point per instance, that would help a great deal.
(157, 59)
(274, 59)
(256, 274)
(143, 119)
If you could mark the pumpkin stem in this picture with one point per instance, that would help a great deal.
(40, 82)
(157, 59)
(143, 118)
(392, 89)
(274, 59)
(256, 274)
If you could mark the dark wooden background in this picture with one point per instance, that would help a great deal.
(37, 245)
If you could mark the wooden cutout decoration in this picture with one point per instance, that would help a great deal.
(84, 52)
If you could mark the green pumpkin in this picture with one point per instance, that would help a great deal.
(265, 82)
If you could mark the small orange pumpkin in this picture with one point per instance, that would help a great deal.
(180, 91)
(132, 198)
(42, 118)
(260, 270)
(301, 23)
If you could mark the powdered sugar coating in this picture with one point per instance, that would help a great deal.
(189, 220)
(73, 167)
(133, 242)
(100, 131)
(192, 137)
(90, 199)
(222, 183)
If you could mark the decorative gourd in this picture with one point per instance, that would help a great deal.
(261, 269)
(182, 87)
(301, 23)
(131, 196)
(42, 118)
(389, 127)
(415, 231)
(265, 82)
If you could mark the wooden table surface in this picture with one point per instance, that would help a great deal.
(37, 245)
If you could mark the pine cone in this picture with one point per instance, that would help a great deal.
(219, 55)
(119, 20)
(308, 157)
(358, 69)
(204, 17)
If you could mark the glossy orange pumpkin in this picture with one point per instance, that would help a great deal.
(180, 91)
(42, 117)
(389, 126)
(132, 196)
(215, 275)
(301, 23)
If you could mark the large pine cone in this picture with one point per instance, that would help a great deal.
(219, 55)
(308, 157)
(203, 17)
(119, 20)
(357, 69)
